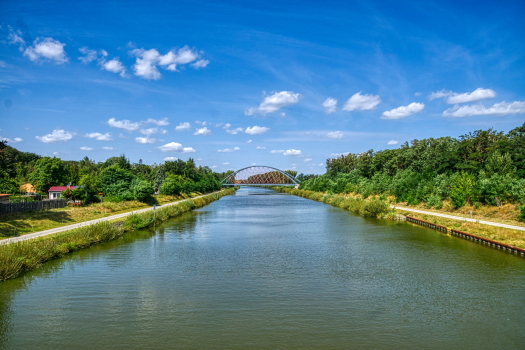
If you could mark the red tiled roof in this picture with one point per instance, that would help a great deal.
(2, 194)
(60, 188)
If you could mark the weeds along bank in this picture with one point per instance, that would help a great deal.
(28, 255)
(369, 208)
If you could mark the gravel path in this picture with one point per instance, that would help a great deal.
(461, 218)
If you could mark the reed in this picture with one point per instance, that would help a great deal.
(29, 255)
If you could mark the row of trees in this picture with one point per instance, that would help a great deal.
(117, 178)
(483, 166)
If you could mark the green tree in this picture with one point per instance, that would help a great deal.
(48, 172)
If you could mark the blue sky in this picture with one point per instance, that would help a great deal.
(230, 84)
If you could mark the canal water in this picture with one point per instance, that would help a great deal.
(262, 270)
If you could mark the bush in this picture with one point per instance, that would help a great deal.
(522, 213)
(374, 208)
(433, 201)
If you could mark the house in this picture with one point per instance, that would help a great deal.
(56, 191)
(4, 198)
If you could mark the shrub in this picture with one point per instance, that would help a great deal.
(433, 201)
(522, 213)
(374, 208)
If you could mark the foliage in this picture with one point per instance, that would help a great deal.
(8, 185)
(48, 172)
(482, 166)
(522, 213)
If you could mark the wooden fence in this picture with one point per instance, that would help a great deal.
(27, 206)
(469, 236)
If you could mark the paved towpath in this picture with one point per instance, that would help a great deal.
(461, 218)
(86, 223)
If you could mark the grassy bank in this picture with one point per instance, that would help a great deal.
(34, 221)
(503, 235)
(378, 208)
(28, 255)
(365, 207)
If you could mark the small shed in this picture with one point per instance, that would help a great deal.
(27, 188)
(4, 198)
(56, 191)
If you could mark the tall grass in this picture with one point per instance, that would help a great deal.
(365, 207)
(28, 255)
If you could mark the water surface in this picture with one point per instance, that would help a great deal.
(271, 272)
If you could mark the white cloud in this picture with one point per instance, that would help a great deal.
(392, 142)
(249, 141)
(161, 122)
(176, 147)
(145, 140)
(145, 65)
(274, 102)
(100, 137)
(15, 140)
(308, 159)
(321, 164)
(227, 150)
(114, 66)
(202, 131)
(84, 148)
(150, 131)
(256, 130)
(173, 58)
(234, 131)
(123, 124)
(330, 105)
(183, 126)
(454, 97)
(277, 151)
(339, 154)
(499, 109)
(417, 94)
(170, 159)
(89, 55)
(147, 61)
(362, 102)
(213, 166)
(227, 126)
(335, 135)
(200, 64)
(254, 163)
(108, 148)
(15, 37)
(46, 48)
(58, 135)
(218, 125)
(403, 111)
(259, 147)
(292, 152)
(226, 163)
(3, 64)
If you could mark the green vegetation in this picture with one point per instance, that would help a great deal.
(485, 167)
(28, 255)
(368, 208)
(116, 178)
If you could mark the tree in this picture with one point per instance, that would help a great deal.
(48, 172)
(159, 178)
(8, 185)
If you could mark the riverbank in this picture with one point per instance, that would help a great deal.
(375, 208)
(28, 255)
(35, 221)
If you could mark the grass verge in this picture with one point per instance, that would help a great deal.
(28, 255)
(34, 221)
(503, 235)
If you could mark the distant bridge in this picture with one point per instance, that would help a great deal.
(260, 176)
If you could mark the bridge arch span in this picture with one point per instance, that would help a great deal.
(260, 175)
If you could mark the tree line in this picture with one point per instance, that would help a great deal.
(116, 178)
(484, 166)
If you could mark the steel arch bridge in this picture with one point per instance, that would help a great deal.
(260, 176)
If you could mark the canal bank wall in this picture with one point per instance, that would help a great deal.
(375, 208)
(29, 255)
